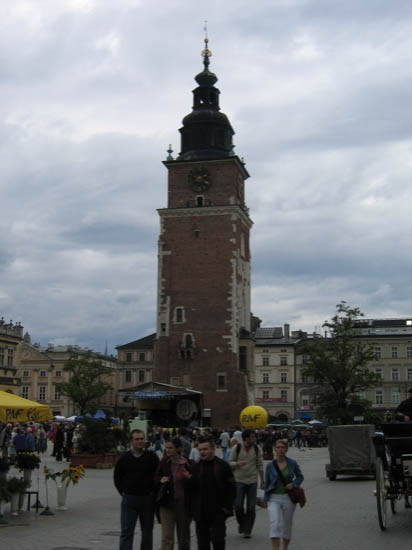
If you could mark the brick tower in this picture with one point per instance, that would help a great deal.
(203, 305)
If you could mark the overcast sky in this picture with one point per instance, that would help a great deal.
(93, 91)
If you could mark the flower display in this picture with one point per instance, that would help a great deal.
(27, 461)
(72, 474)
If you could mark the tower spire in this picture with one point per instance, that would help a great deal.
(206, 53)
(206, 132)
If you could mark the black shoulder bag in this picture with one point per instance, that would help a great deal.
(296, 494)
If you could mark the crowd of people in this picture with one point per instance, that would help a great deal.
(177, 476)
(34, 437)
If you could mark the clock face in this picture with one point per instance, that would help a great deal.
(199, 179)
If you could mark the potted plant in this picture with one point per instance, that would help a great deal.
(26, 463)
(63, 480)
(16, 486)
(96, 444)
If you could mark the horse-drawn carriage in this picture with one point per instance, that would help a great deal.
(393, 467)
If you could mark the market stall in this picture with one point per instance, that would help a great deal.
(17, 409)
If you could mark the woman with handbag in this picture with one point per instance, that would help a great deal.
(173, 475)
(282, 475)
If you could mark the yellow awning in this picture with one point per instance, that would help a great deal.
(16, 409)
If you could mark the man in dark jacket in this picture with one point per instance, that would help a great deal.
(212, 496)
(405, 407)
(133, 477)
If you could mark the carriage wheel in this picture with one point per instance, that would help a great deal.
(381, 494)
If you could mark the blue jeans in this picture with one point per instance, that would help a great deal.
(246, 519)
(133, 507)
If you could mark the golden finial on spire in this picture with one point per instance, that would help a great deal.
(206, 53)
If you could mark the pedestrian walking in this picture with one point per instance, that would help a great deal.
(212, 488)
(246, 460)
(224, 443)
(134, 479)
(172, 481)
(281, 474)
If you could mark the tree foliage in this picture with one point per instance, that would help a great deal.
(86, 385)
(338, 365)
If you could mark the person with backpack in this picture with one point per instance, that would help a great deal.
(246, 460)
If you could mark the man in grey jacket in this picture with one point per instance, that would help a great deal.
(247, 462)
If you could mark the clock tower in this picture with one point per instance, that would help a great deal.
(203, 309)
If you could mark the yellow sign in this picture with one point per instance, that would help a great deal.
(254, 417)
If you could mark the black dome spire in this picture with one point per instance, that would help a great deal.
(206, 132)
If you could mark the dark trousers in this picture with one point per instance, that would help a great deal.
(245, 519)
(133, 507)
(211, 530)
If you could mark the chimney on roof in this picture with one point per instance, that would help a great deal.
(286, 330)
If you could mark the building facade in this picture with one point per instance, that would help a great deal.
(203, 310)
(134, 367)
(10, 337)
(42, 366)
(391, 340)
(276, 372)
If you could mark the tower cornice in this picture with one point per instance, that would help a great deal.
(235, 159)
(206, 211)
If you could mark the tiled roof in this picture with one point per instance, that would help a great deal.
(147, 343)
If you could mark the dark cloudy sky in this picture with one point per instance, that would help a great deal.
(93, 91)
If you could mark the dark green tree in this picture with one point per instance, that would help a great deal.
(86, 385)
(338, 365)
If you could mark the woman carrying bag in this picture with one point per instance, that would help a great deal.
(173, 504)
(282, 474)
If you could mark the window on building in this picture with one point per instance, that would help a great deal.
(283, 360)
(128, 357)
(142, 357)
(58, 373)
(283, 351)
(163, 327)
(43, 374)
(284, 395)
(199, 201)
(395, 375)
(179, 315)
(283, 377)
(243, 358)
(265, 377)
(10, 358)
(394, 352)
(128, 376)
(42, 393)
(409, 351)
(378, 353)
(26, 374)
(379, 397)
(396, 397)
(306, 379)
(265, 361)
(25, 392)
(1, 357)
(378, 372)
(221, 381)
(305, 401)
(409, 374)
(57, 394)
(265, 394)
(141, 376)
